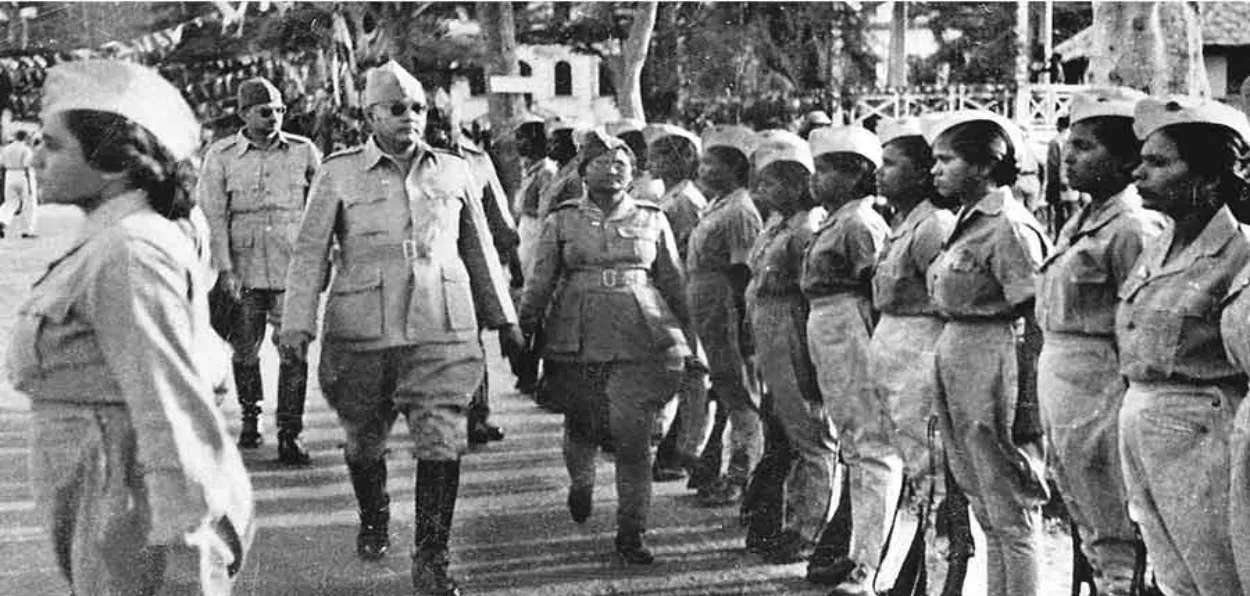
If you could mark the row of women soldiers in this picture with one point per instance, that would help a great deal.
(847, 336)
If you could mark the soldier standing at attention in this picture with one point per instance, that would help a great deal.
(253, 187)
(417, 272)
(19, 196)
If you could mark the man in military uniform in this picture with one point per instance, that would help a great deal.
(253, 187)
(416, 273)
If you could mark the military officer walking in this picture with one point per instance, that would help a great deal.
(416, 273)
(253, 187)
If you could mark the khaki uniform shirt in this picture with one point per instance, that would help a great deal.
(416, 263)
(534, 182)
(1168, 323)
(776, 261)
(566, 186)
(122, 319)
(1235, 321)
(253, 199)
(683, 205)
(724, 235)
(1080, 283)
(899, 286)
(613, 284)
(844, 251)
(987, 266)
(502, 226)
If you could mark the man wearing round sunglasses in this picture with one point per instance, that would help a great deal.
(253, 187)
(415, 276)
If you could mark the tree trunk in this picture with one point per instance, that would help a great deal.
(1155, 47)
(897, 76)
(499, 28)
(628, 69)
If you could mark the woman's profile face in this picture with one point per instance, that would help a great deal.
(1163, 179)
(62, 170)
(953, 176)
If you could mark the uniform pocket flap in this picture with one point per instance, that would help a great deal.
(358, 280)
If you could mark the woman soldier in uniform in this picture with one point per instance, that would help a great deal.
(982, 283)
(607, 266)
(1178, 412)
(716, 264)
(139, 482)
(837, 281)
(1078, 378)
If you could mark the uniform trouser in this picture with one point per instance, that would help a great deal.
(256, 308)
(904, 375)
(620, 399)
(716, 319)
(838, 336)
(18, 211)
(90, 492)
(1174, 446)
(1080, 391)
(1239, 493)
(976, 365)
(430, 384)
(780, 325)
(529, 229)
(693, 421)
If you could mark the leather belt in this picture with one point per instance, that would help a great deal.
(406, 250)
(611, 278)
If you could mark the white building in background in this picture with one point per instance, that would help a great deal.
(564, 83)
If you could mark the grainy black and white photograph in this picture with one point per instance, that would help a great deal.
(859, 298)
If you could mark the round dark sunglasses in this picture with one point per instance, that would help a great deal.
(399, 108)
(268, 111)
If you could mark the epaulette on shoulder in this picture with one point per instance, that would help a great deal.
(648, 204)
(343, 153)
(294, 138)
(224, 143)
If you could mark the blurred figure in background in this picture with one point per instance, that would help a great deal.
(17, 214)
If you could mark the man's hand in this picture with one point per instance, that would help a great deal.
(231, 284)
(293, 346)
(511, 343)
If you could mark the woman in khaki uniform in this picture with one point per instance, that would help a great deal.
(982, 283)
(141, 486)
(1183, 390)
(1078, 381)
(607, 288)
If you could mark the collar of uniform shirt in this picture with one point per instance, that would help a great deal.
(1091, 220)
(280, 140)
(375, 155)
(1222, 228)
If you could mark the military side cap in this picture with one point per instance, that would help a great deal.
(933, 128)
(1104, 101)
(734, 136)
(889, 129)
(846, 139)
(1153, 113)
(775, 145)
(390, 82)
(623, 126)
(655, 132)
(257, 91)
(556, 123)
(129, 90)
(596, 142)
(528, 118)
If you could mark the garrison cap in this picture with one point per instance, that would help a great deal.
(1153, 113)
(933, 128)
(528, 118)
(597, 142)
(733, 136)
(889, 129)
(390, 82)
(129, 90)
(655, 132)
(257, 91)
(846, 139)
(777, 145)
(1104, 101)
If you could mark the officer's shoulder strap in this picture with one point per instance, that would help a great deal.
(296, 139)
(341, 153)
(223, 144)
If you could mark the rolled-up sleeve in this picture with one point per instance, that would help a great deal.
(310, 256)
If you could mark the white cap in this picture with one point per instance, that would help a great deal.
(623, 126)
(136, 92)
(846, 139)
(734, 136)
(527, 118)
(1154, 113)
(933, 128)
(1104, 101)
(776, 145)
(889, 129)
(390, 82)
(555, 123)
(655, 132)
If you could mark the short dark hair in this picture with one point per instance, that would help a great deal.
(1215, 152)
(984, 143)
(920, 154)
(853, 163)
(1116, 134)
(737, 162)
(794, 174)
(113, 143)
(638, 144)
(683, 154)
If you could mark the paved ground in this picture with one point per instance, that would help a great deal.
(512, 533)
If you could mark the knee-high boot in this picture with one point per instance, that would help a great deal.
(292, 391)
(438, 483)
(369, 483)
(251, 390)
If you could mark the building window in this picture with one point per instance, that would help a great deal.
(526, 70)
(564, 78)
(606, 88)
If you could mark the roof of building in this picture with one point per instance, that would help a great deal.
(1223, 24)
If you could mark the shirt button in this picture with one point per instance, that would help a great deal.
(1131, 326)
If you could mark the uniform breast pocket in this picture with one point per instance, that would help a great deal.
(244, 192)
(635, 243)
(354, 310)
(960, 279)
(458, 296)
(368, 216)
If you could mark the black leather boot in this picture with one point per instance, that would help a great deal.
(250, 390)
(292, 390)
(630, 547)
(373, 538)
(438, 483)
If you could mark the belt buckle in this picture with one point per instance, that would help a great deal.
(410, 249)
(608, 277)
